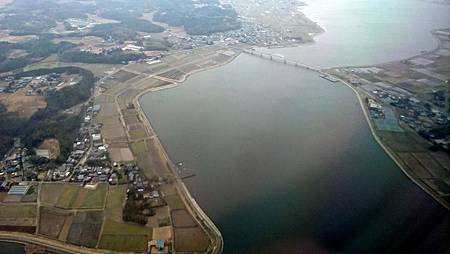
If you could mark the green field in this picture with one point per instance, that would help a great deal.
(124, 237)
(115, 201)
(77, 197)
(50, 192)
(17, 211)
(129, 243)
(53, 61)
(174, 202)
(141, 152)
(137, 134)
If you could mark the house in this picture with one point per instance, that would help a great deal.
(43, 153)
(96, 108)
(96, 137)
(19, 189)
(160, 244)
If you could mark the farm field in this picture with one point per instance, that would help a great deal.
(140, 150)
(182, 219)
(174, 202)
(402, 141)
(123, 76)
(161, 218)
(123, 236)
(22, 104)
(85, 229)
(115, 202)
(18, 215)
(17, 211)
(53, 220)
(76, 197)
(53, 62)
(184, 242)
(50, 192)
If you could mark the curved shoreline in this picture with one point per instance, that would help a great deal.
(53, 245)
(385, 148)
(195, 210)
(197, 213)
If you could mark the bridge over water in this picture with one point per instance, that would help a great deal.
(280, 59)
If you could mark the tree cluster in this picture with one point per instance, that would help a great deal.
(49, 122)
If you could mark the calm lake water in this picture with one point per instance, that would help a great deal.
(285, 161)
(360, 32)
(11, 248)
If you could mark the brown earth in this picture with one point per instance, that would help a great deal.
(22, 104)
(184, 243)
(52, 145)
(14, 38)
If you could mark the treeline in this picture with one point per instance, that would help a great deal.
(136, 210)
(132, 213)
(27, 17)
(26, 23)
(49, 122)
(37, 49)
(66, 97)
(197, 21)
(442, 132)
(156, 44)
(30, 17)
(132, 20)
(115, 31)
(10, 126)
(113, 57)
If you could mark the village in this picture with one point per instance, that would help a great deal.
(37, 85)
(408, 103)
(88, 167)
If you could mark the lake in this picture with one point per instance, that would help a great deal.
(285, 161)
(11, 248)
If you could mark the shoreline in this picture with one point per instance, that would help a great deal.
(193, 207)
(191, 204)
(47, 243)
(386, 149)
(182, 187)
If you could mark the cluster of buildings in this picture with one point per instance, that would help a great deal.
(85, 24)
(17, 192)
(35, 85)
(87, 174)
(250, 33)
(16, 165)
(12, 163)
(375, 109)
(141, 188)
(419, 115)
(16, 171)
(88, 147)
(422, 117)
